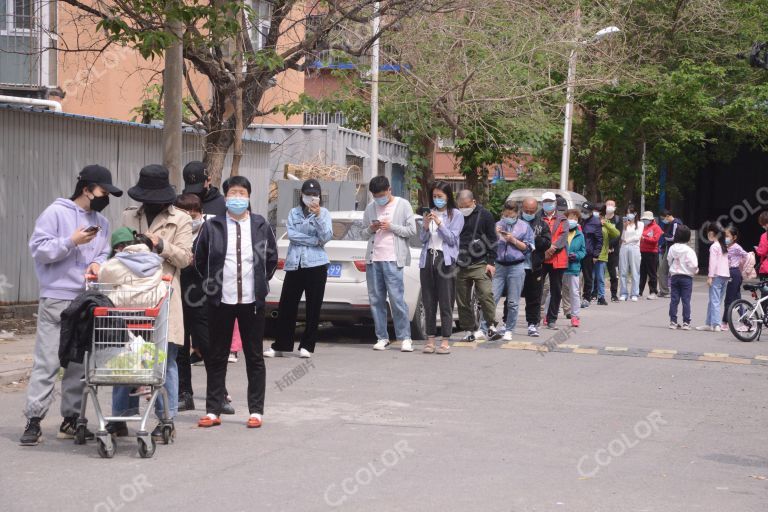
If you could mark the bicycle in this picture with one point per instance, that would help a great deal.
(746, 319)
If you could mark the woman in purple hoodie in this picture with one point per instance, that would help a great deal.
(71, 239)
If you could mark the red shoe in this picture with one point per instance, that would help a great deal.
(254, 422)
(574, 321)
(544, 322)
(207, 422)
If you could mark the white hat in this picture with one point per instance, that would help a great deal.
(647, 215)
(548, 196)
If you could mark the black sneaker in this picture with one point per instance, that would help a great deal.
(32, 433)
(568, 316)
(118, 428)
(69, 427)
(601, 301)
(469, 338)
(186, 402)
(614, 298)
(157, 433)
(551, 326)
(196, 360)
(493, 334)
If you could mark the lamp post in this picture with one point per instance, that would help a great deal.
(565, 163)
(375, 93)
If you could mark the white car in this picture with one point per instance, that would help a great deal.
(346, 292)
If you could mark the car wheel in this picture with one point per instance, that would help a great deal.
(419, 322)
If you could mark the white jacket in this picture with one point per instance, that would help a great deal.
(631, 235)
(682, 260)
(136, 275)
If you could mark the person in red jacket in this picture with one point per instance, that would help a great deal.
(649, 254)
(761, 250)
(556, 257)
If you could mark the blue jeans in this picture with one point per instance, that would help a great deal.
(716, 295)
(511, 279)
(125, 405)
(384, 279)
(598, 280)
(680, 288)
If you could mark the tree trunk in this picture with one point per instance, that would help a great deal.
(426, 174)
(216, 148)
(592, 177)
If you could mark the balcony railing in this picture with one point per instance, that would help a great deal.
(324, 118)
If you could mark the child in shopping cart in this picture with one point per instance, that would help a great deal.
(138, 271)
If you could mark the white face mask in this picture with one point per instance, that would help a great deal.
(467, 211)
(197, 224)
(310, 200)
(610, 210)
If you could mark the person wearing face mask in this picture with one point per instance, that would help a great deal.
(533, 286)
(629, 256)
(440, 236)
(717, 277)
(577, 253)
(477, 254)
(170, 231)
(197, 181)
(556, 256)
(515, 243)
(669, 223)
(613, 248)
(649, 254)
(390, 223)
(592, 229)
(761, 250)
(71, 238)
(236, 255)
(610, 233)
(306, 272)
(737, 259)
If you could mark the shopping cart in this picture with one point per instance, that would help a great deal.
(129, 348)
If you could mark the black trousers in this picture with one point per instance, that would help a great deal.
(588, 271)
(649, 264)
(302, 281)
(613, 271)
(221, 322)
(195, 335)
(438, 289)
(555, 289)
(533, 288)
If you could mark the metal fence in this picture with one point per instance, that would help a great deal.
(41, 154)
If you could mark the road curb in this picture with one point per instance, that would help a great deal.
(14, 376)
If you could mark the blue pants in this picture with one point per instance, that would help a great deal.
(384, 279)
(125, 405)
(716, 296)
(680, 288)
(511, 279)
(598, 280)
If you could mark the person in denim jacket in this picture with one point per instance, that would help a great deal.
(306, 271)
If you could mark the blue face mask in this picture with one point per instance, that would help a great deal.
(510, 221)
(630, 216)
(237, 205)
(548, 207)
(595, 214)
(381, 201)
(664, 221)
(528, 216)
(728, 241)
(439, 202)
(572, 224)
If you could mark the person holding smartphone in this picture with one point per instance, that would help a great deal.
(306, 272)
(71, 239)
(442, 226)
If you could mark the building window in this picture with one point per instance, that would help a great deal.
(260, 21)
(28, 42)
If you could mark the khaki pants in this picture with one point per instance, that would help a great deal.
(474, 277)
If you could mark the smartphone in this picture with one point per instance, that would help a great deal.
(92, 229)
(424, 211)
(505, 233)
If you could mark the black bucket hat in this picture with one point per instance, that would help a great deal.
(154, 186)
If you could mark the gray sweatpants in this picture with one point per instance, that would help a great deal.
(42, 380)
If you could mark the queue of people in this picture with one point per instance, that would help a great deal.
(220, 257)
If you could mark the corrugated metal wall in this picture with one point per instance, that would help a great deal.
(41, 154)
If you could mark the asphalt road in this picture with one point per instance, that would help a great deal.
(484, 428)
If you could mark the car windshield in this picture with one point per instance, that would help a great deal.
(351, 230)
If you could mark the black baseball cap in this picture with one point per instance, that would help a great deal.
(195, 175)
(311, 186)
(101, 177)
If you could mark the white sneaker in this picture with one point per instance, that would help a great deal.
(270, 352)
(407, 345)
(507, 336)
(704, 328)
(634, 298)
(717, 328)
(381, 345)
(623, 298)
(479, 335)
(304, 353)
(232, 357)
(673, 325)
(651, 297)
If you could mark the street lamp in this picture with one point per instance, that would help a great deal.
(599, 36)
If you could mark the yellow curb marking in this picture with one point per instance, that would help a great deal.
(564, 345)
(664, 351)
(517, 345)
(661, 356)
(761, 358)
(616, 349)
(585, 351)
(715, 354)
(464, 344)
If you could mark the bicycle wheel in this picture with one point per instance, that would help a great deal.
(743, 320)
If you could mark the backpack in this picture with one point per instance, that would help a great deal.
(748, 267)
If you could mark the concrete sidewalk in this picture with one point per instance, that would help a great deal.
(16, 358)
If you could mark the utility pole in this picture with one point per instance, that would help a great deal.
(642, 182)
(172, 97)
(375, 93)
(569, 100)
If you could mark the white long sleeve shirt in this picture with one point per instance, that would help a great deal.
(631, 234)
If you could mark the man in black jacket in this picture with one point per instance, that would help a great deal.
(197, 181)
(593, 237)
(533, 286)
(613, 248)
(236, 255)
(477, 254)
